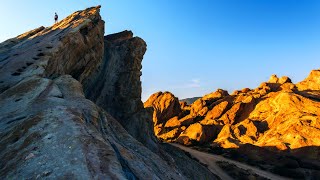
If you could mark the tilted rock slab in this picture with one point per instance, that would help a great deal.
(48, 126)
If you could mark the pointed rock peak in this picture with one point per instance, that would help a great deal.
(72, 46)
(314, 74)
(284, 79)
(84, 16)
(312, 82)
(273, 79)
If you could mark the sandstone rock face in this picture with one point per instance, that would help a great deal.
(276, 115)
(122, 60)
(196, 132)
(165, 106)
(312, 82)
(55, 107)
(171, 118)
(45, 51)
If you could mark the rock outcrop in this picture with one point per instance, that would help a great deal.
(275, 126)
(277, 115)
(70, 107)
(166, 106)
(122, 60)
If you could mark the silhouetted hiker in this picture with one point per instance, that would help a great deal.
(55, 17)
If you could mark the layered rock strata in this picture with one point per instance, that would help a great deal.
(58, 87)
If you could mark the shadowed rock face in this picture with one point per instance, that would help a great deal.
(116, 85)
(277, 114)
(58, 87)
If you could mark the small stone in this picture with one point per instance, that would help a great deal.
(31, 155)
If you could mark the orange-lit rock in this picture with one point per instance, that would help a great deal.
(173, 122)
(217, 111)
(277, 114)
(197, 106)
(165, 106)
(197, 132)
(312, 82)
(216, 95)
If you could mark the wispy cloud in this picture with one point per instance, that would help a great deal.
(194, 83)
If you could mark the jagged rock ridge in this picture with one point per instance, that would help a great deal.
(55, 107)
(276, 114)
(275, 127)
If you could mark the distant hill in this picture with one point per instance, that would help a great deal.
(189, 100)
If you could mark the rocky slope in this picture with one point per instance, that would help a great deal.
(275, 126)
(70, 107)
(277, 114)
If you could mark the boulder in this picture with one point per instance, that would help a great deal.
(273, 79)
(217, 110)
(173, 122)
(165, 105)
(197, 132)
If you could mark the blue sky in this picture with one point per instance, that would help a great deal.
(195, 47)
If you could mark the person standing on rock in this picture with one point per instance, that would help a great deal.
(55, 17)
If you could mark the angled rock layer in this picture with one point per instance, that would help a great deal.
(58, 87)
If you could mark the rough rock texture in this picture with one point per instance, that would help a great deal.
(166, 106)
(278, 115)
(275, 127)
(45, 51)
(312, 82)
(122, 60)
(196, 132)
(48, 127)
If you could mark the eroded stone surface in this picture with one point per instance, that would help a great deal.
(277, 114)
(48, 127)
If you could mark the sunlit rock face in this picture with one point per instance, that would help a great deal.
(46, 51)
(166, 106)
(70, 107)
(276, 114)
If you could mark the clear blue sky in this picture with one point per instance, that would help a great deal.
(195, 47)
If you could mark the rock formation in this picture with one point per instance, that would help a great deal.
(122, 60)
(166, 106)
(278, 114)
(70, 107)
(275, 126)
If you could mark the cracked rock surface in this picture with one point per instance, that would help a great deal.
(70, 107)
